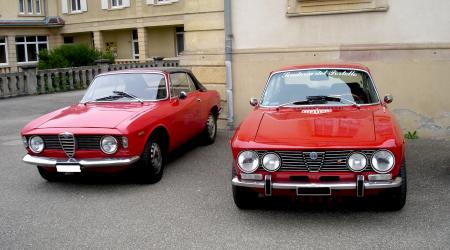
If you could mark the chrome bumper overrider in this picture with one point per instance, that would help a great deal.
(268, 185)
(99, 162)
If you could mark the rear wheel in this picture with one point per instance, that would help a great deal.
(151, 164)
(210, 131)
(49, 175)
(395, 199)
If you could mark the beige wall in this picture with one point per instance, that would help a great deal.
(122, 38)
(161, 42)
(407, 48)
(84, 38)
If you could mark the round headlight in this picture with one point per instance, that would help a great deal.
(108, 144)
(248, 161)
(383, 161)
(357, 162)
(36, 144)
(271, 162)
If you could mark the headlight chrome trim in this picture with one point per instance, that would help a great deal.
(262, 161)
(31, 147)
(373, 166)
(101, 144)
(241, 168)
(359, 153)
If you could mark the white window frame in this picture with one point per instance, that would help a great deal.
(117, 6)
(25, 43)
(36, 4)
(176, 41)
(30, 7)
(133, 42)
(22, 4)
(77, 5)
(6, 51)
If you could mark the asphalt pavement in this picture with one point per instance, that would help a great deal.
(192, 207)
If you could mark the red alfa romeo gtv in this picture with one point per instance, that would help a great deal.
(320, 130)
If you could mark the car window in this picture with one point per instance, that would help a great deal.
(181, 82)
(290, 86)
(145, 86)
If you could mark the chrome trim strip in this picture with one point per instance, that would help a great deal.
(334, 185)
(96, 162)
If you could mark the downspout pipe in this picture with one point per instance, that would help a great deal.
(228, 62)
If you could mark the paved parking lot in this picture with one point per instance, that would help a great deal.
(192, 206)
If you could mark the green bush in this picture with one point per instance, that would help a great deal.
(71, 55)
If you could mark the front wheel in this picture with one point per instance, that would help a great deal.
(48, 175)
(210, 131)
(151, 165)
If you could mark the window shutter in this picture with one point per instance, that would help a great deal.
(64, 7)
(126, 3)
(83, 4)
(105, 4)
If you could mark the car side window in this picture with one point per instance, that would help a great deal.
(191, 83)
(181, 82)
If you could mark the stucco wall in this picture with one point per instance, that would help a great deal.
(161, 42)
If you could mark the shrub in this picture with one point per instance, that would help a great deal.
(71, 55)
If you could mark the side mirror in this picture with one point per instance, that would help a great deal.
(388, 99)
(182, 95)
(253, 102)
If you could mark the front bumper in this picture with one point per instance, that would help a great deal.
(85, 163)
(359, 185)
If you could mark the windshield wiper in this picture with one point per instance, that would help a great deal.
(299, 102)
(105, 98)
(340, 98)
(125, 94)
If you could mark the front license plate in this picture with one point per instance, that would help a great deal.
(68, 168)
(314, 191)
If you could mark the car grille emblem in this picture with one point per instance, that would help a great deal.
(313, 156)
(67, 141)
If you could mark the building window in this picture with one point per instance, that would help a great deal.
(322, 7)
(179, 40)
(75, 5)
(38, 7)
(3, 51)
(116, 3)
(28, 47)
(135, 44)
(68, 39)
(21, 6)
(30, 6)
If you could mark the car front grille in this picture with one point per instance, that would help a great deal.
(82, 142)
(317, 161)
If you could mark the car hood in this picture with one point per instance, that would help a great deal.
(297, 126)
(94, 115)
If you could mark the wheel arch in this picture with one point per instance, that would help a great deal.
(160, 132)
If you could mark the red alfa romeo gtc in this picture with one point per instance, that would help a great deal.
(126, 118)
(320, 130)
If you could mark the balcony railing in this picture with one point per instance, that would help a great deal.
(31, 81)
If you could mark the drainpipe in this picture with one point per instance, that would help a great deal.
(228, 60)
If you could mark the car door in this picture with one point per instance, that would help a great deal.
(184, 119)
(201, 109)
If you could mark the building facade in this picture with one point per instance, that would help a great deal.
(190, 31)
(406, 44)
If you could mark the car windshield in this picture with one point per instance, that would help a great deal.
(321, 86)
(127, 87)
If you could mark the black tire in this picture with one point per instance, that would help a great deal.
(208, 135)
(395, 199)
(48, 175)
(150, 166)
(244, 198)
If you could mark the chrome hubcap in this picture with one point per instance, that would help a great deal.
(156, 157)
(211, 126)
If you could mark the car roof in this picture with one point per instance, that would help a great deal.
(325, 66)
(149, 70)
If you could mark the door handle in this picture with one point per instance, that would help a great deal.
(199, 100)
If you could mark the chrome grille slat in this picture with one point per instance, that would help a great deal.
(82, 142)
(327, 161)
(67, 141)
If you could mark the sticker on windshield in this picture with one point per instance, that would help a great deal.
(325, 73)
(316, 111)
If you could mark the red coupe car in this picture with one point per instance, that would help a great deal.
(126, 118)
(320, 130)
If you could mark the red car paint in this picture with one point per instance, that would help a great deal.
(183, 119)
(369, 127)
